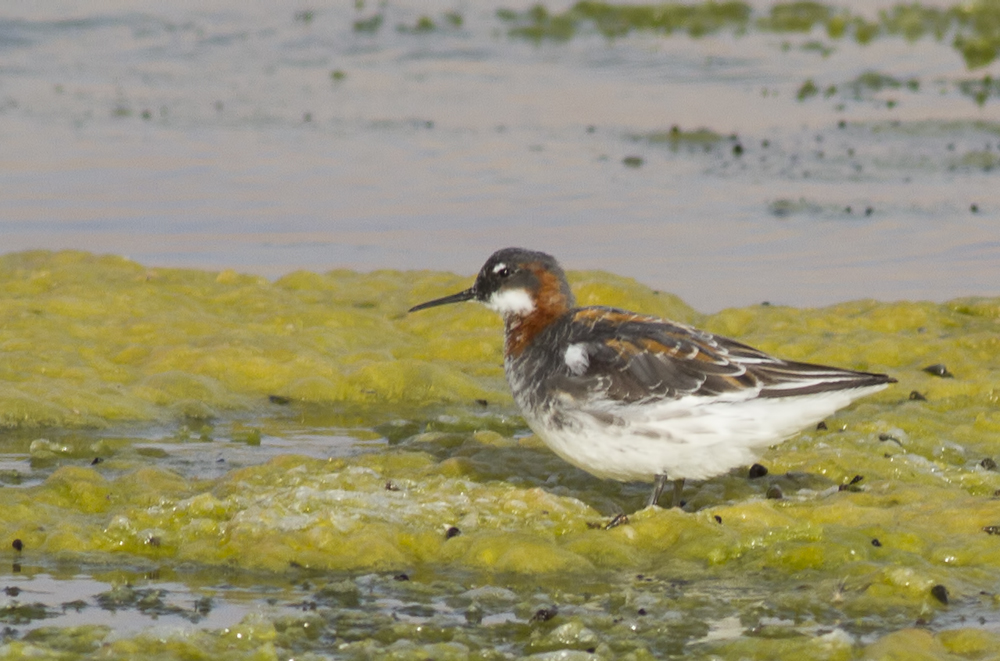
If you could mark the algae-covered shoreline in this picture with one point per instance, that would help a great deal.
(418, 518)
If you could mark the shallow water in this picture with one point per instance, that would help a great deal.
(275, 461)
(215, 138)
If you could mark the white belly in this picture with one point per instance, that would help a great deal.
(692, 437)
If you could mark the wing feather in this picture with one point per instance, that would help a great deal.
(633, 358)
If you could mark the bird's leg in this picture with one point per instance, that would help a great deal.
(661, 481)
(660, 484)
(678, 490)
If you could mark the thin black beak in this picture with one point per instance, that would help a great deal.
(466, 295)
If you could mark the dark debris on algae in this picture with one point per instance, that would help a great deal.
(162, 372)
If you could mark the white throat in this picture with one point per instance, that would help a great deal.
(508, 302)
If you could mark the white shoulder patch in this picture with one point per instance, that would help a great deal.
(577, 359)
(511, 301)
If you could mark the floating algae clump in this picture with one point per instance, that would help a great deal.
(457, 534)
(972, 27)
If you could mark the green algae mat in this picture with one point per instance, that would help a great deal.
(207, 465)
(970, 27)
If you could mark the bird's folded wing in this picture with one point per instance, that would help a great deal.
(624, 357)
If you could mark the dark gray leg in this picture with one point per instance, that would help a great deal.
(678, 490)
(658, 485)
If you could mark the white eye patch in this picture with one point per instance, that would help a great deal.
(499, 267)
(511, 301)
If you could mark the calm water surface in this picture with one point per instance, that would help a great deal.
(217, 138)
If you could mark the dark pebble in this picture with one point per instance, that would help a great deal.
(400, 577)
(389, 486)
(852, 485)
(17, 544)
(940, 370)
(917, 397)
(883, 437)
(96, 461)
(632, 161)
(452, 532)
(12, 591)
(774, 492)
(974, 208)
(737, 149)
(641, 611)
(876, 543)
(756, 471)
(988, 464)
(940, 593)
(482, 402)
(869, 211)
(718, 519)
(278, 399)
(474, 614)
(544, 614)
(821, 426)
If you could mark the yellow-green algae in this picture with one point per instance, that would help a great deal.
(825, 572)
(88, 339)
(974, 27)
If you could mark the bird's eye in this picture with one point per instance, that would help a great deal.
(503, 272)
